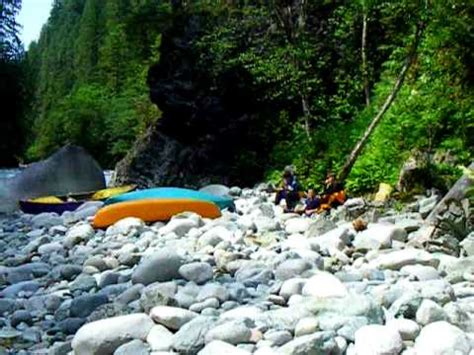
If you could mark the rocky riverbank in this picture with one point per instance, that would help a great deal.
(254, 281)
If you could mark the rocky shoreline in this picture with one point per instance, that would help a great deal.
(253, 281)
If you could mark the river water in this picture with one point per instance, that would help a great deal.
(6, 174)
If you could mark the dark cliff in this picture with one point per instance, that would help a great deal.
(211, 127)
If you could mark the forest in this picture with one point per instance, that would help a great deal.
(318, 72)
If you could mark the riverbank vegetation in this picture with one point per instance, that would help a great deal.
(321, 71)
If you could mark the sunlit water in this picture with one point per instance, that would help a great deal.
(7, 174)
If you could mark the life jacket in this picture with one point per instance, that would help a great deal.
(336, 198)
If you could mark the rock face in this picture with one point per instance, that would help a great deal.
(70, 169)
(457, 192)
(198, 139)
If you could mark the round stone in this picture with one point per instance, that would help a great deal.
(197, 272)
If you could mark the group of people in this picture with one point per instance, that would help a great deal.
(291, 192)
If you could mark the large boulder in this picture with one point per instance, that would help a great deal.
(199, 138)
(70, 169)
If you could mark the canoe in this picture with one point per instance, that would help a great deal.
(152, 210)
(32, 207)
(97, 195)
(60, 204)
(173, 193)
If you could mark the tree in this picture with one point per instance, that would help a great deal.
(312, 68)
(364, 52)
(11, 83)
(292, 18)
(351, 159)
(86, 52)
(10, 44)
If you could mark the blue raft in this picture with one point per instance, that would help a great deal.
(173, 193)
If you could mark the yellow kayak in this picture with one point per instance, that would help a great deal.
(93, 196)
(60, 204)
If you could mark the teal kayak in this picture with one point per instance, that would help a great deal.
(171, 193)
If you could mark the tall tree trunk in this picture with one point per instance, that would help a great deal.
(306, 115)
(352, 158)
(292, 19)
(364, 58)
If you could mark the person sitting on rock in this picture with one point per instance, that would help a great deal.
(334, 194)
(288, 190)
(312, 203)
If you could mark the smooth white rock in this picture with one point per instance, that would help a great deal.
(214, 236)
(442, 338)
(234, 332)
(106, 335)
(306, 326)
(198, 272)
(159, 338)
(218, 347)
(78, 234)
(179, 226)
(297, 225)
(378, 236)
(324, 285)
(377, 339)
(397, 259)
(335, 239)
(421, 272)
(430, 312)
(292, 287)
(242, 312)
(129, 226)
(171, 317)
(407, 328)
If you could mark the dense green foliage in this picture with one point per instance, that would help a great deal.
(88, 71)
(302, 58)
(12, 90)
(320, 63)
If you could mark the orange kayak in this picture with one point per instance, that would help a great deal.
(152, 210)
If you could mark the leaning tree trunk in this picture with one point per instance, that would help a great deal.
(351, 159)
(364, 58)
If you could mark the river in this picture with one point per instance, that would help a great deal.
(6, 174)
